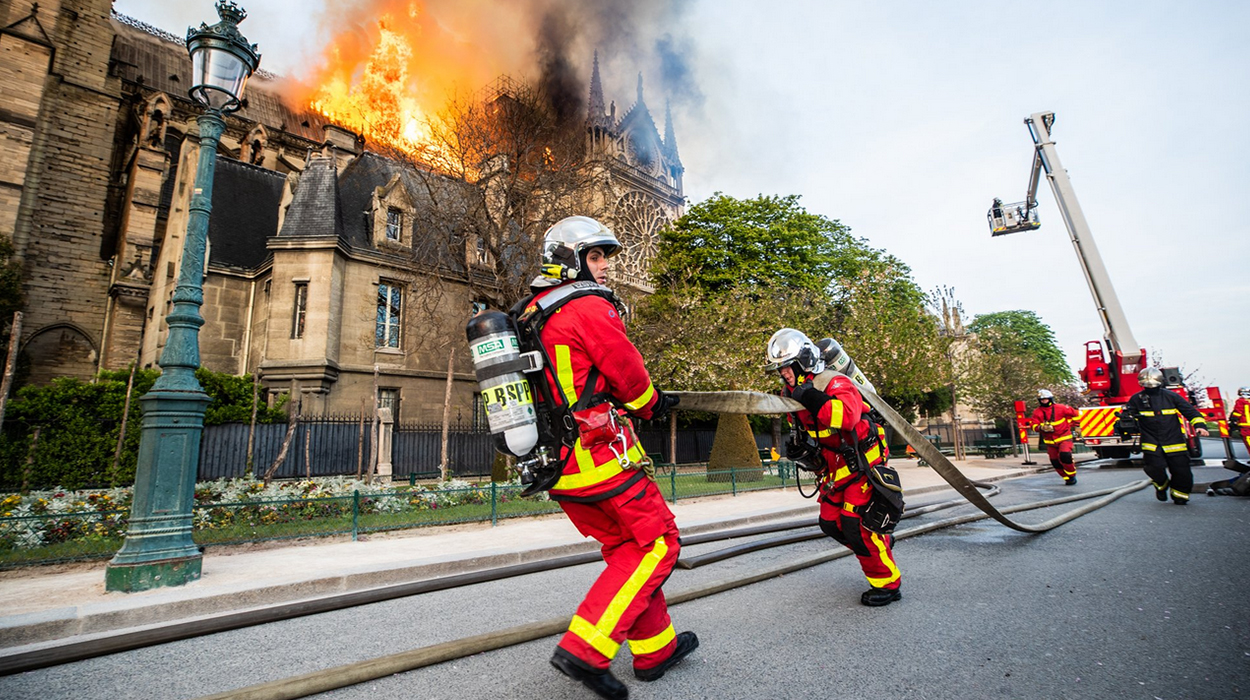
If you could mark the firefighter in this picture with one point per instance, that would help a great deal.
(1161, 416)
(603, 486)
(1054, 422)
(1240, 417)
(844, 443)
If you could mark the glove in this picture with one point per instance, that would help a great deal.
(663, 404)
(813, 399)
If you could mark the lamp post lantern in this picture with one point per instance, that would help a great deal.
(158, 550)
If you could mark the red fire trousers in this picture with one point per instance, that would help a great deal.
(640, 545)
(1061, 458)
(838, 519)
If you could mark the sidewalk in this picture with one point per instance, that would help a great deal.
(48, 603)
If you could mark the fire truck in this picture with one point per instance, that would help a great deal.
(1112, 364)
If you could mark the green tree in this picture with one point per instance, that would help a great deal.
(1023, 331)
(998, 370)
(731, 272)
(763, 242)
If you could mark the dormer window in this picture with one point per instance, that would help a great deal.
(394, 224)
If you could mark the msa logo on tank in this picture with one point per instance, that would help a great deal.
(494, 346)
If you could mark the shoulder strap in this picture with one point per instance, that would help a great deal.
(824, 379)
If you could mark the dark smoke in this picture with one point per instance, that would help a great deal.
(558, 78)
(676, 72)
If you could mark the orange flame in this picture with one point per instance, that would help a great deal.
(393, 64)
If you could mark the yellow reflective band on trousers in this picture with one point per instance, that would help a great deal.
(564, 373)
(601, 642)
(879, 542)
(599, 635)
(589, 473)
(1175, 448)
(641, 400)
(1057, 440)
(654, 644)
(1180, 494)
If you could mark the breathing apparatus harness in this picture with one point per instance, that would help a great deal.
(592, 417)
(886, 506)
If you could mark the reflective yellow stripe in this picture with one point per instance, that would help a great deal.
(641, 400)
(835, 415)
(1158, 486)
(842, 473)
(1181, 494)
(1175, 448)
(1168, 412)
(601, 642)
(1149, 446)
(629, 591)
(564, 372)
(879, 542)
(591, 475)
(1199, 420)
(1147, 413)
(873, 454)
(1056, 441)
(820, 433)
(654, 644)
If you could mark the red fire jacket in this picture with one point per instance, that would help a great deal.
(586, 332)
(1241, 415)
(1057, 415)
(842, 416)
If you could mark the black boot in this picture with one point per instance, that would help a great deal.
(1070, 480)
(874, 597)
(603, 683)
(686, 643)
(1161, 494)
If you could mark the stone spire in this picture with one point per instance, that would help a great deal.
(639, 103)
(670, 137)
(595, 109)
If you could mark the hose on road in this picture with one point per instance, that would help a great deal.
(371, 669)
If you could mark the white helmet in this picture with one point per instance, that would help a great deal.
(567, 239)
(1045, 394)
(1244, 392)
(788, 346)
(1150, 378)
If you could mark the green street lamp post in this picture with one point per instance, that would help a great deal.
(158, 550)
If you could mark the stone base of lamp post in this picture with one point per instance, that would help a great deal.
(158, 550)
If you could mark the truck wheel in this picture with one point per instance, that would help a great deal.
(1112, 452)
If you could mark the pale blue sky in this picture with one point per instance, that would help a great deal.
(904, 119)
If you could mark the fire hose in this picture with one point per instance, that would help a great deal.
(372, 669)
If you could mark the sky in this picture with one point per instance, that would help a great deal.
(903, 120)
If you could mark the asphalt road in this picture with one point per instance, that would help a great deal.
(1138, 600)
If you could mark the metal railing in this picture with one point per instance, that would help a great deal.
(72, 536)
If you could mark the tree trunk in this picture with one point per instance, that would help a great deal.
(442, 455)
(672, 438)
(957, 438)
(121, 434)
(293, 416)
(15, 337)
(251, 430)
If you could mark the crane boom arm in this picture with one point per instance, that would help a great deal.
(1115, 325)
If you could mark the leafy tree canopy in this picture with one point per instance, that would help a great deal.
(768, 241)
(1023, 331)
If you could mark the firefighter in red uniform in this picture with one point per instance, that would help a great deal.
(1054, 422)
(592, 370)
(835, 416)
(1240, 417)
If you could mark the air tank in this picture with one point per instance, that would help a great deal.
(506, 393)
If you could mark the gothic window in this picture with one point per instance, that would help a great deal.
(390, 304)
(639, 219)
(388, 397)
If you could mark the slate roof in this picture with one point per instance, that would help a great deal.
(246, 199)
(316, 209)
